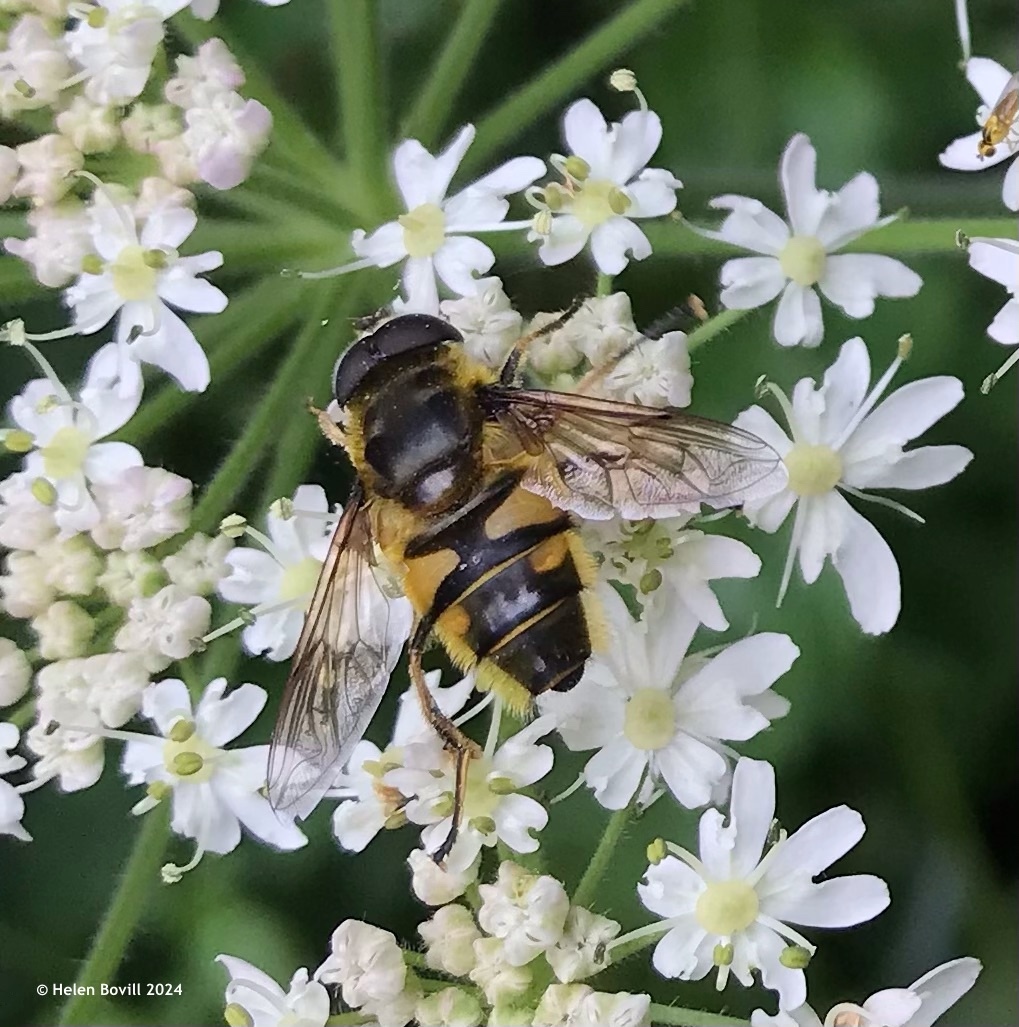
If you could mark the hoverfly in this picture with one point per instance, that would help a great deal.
(469, 486)
(1002, 121)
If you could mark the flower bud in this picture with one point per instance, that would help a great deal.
(449, 939)
(451, 1007)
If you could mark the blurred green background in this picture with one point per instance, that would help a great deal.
(916, 730)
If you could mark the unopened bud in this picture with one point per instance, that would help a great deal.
(657, 851)
(18, 441)
(722, 955)
(794, 957)
(233, 525)
(622, 80)
(181, 731)
(44, 492)
(577, 168)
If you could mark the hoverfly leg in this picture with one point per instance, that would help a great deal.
(464, 749)
(508, 374)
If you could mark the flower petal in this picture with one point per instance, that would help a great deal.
(751, 811)
(168, 226)
(1005, 326)
(798, 317)
(810, 850)
(853, 210)
(564, 241)
(1010, 186)
(988, 78)
(174, 348)
(685, 952)
(636, 139)
(920, 468)
(166, 702)
(194, 294)
(941, 988)
(422, 178)
(751, 225)
(670, 888)
(614, 773)
(355, 824)
(420, 292)
(652, 194)
(749, 282)
(587, 135)
(962, 154)
(611, 241)
(840, 902)
(106, 461)
(222, 720)
(797, 176)
(691, 769)
(512, 177)
(460, 260)
(384, 247)
(853, 280)
(870, 575)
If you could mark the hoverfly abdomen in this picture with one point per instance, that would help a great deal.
(503, 584)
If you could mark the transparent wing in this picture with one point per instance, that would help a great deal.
(352, 637)
(597, 457)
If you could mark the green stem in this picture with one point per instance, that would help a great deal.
(721, 322)
(353, 24)
(603, 855)
(126, 909)
(435, 101)
(558, 81)
(249, 450)
(345, 1019)
(21, 717)
(603, 286)
(692, 1017)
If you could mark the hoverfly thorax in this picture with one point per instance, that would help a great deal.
(414, 425)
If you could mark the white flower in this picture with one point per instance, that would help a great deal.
(142, 507)
(63, 630)
(23, 586)
(33, 66)
(150, 124)
(12, 806)
(919, 1005)
(10, 166)
(211, 72)
(989, 79)
(71, 565)
(487, 321)
(450, 1007)
(606, 183)
(435, 885)
(115, 42)
(600, 330)
(283, 578)
(90, 127)
(128, 576)
(801, 255)
(449, 940)
(65, 434)
(25, 523)
(263, 1001)
(61, 242)
(223, 138)
(578, 1005)
(15, 672)
(495, 975)
(731, 907)
(842, 440)
(215, 790)
(435, 236)
(366, 962)
(580, 952)
(654, 373)
(47, 167)
(139, 274)
(206, 9)
(200, 564)
(493, 808)
(165, 627)
(651, 555)
(525, 911)
(998, 259)
(560, 1004)
(658, 715)
(88, 694)
(72, 755)
(370, 799)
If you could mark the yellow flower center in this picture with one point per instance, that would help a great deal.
(802, 259)
(191, 759)
(480, 800)
(133, 275)
(424, 229)
(299, 579)
(597, 201)
(65, 454)
(813, 470)
(727, 907)
(650, 719)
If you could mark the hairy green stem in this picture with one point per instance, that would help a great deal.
(602, 856)
(355, 49)
(721, 322)
(692, 1017)
(249, 450)
(560, 79)
(603, 286)
(129, 903)
(428, 116)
